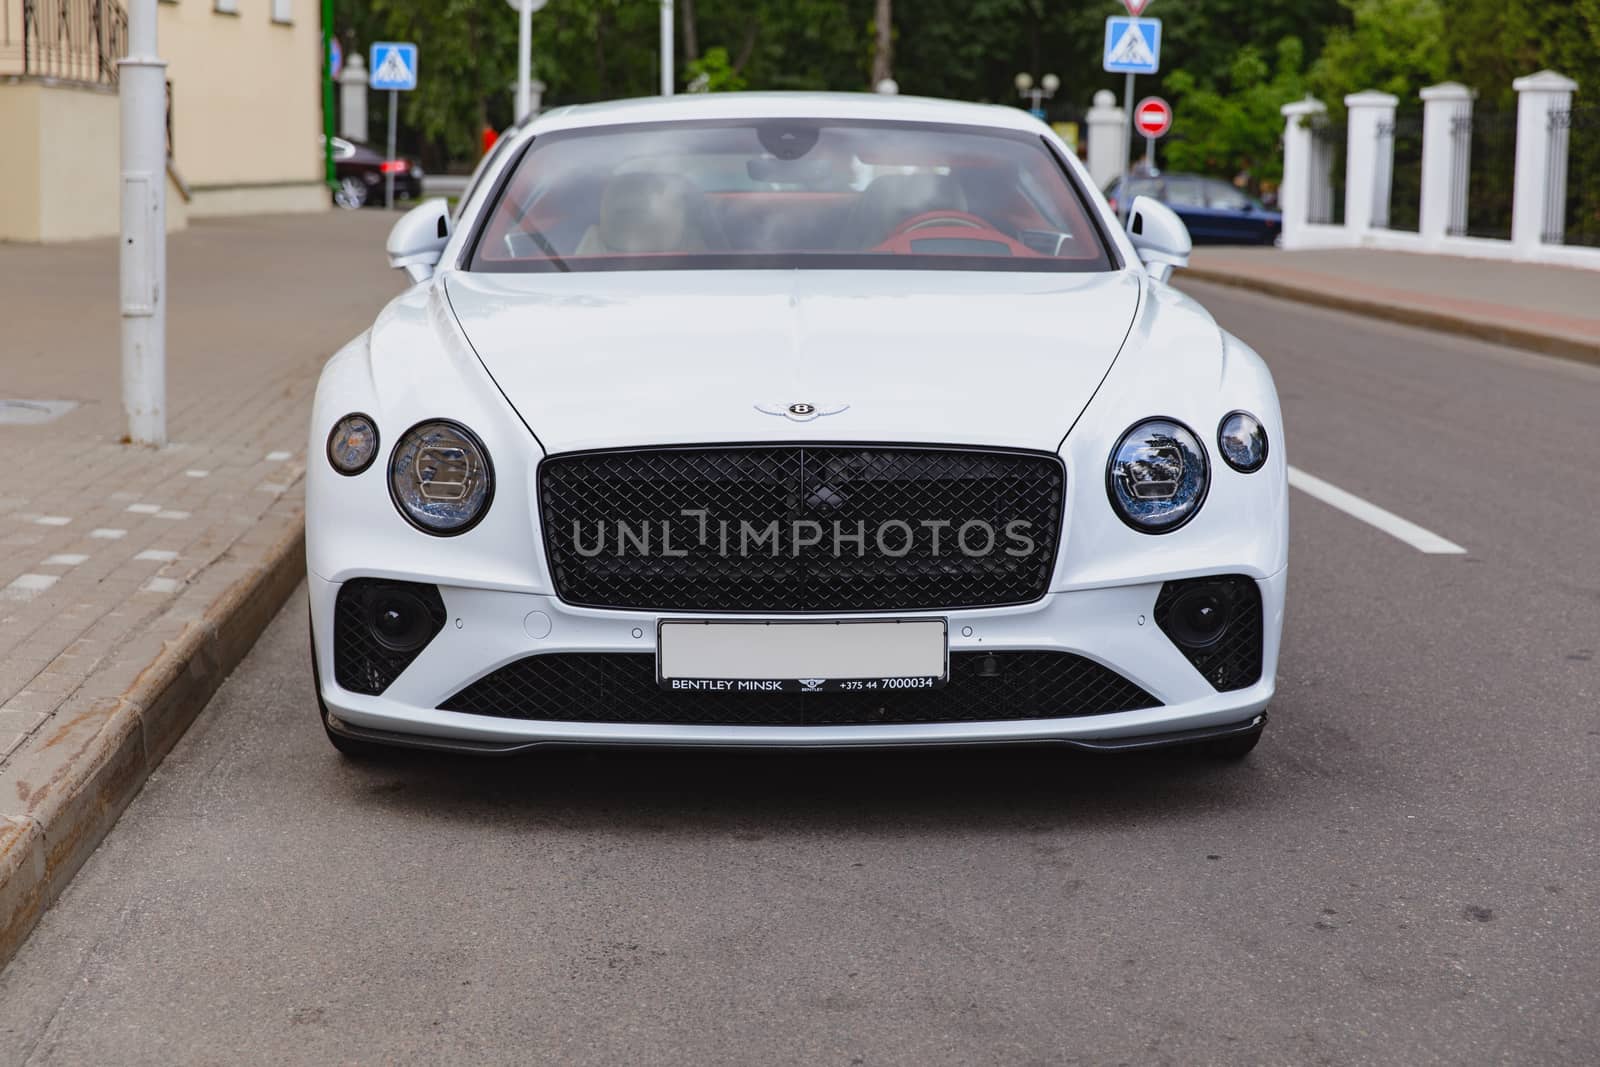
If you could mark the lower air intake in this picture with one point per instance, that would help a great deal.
(1216, 624)
(379, 628)
(621, 688)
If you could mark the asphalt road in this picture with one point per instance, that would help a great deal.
(1405, 871)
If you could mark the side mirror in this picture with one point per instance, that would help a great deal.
(418, 239)
(1159, 236)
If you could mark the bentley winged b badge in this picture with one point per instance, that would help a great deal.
(801, 412)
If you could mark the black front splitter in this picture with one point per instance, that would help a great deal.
(1140, 743)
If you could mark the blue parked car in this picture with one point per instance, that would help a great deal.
(1214, 211)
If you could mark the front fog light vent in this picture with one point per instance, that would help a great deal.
(1216, 624)
(379, 628)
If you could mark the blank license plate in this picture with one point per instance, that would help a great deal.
(870, 655)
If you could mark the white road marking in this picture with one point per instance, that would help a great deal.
(1401, 529)
(161, 555)
(277, 457)
(144, 509)
(197, 474)
(52, 520)
(28, 586)
(172, 514)
(162, 585)
(65, 559)
(108, 535)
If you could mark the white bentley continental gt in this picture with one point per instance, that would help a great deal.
(793, 420)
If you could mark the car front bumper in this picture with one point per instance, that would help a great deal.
(485, 629)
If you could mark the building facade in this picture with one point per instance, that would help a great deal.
(244, 112)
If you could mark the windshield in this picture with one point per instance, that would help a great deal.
(785, 193)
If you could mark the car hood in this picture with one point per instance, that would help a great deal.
(597, 360)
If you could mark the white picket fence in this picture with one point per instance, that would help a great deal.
(1538, 208)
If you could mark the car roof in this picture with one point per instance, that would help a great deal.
(702, 106)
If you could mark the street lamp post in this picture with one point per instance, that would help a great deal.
(668, 75)
(525, 10)
(1036, 94)
(524, 57)
(142, 77)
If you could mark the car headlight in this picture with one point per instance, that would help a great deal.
(353, 443)
(1158, 476)
(440, 477)
(1242, 440)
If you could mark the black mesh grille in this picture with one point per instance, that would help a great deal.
(360, 663)
(611, 519)
(1234, 662)
(621, 688)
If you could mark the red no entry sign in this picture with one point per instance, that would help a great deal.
(1153, 117)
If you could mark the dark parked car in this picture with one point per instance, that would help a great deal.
(1214, 211)
(360, 172)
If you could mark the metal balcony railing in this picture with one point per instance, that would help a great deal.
(66, 40)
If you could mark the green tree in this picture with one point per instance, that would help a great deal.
(1234, 124)
(1493, 42)
(792, 44)
(718, 72)
(1203, 38)
(1394, 46)
(465, 64)
(1226, 62)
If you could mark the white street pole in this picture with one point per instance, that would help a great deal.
(388, 172)
(524, 58)
(667, 78)
(1150, 155)
(525, 10)
(1125, 200)
(143, 80)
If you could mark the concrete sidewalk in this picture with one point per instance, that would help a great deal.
(1554, 310)
(132, 579)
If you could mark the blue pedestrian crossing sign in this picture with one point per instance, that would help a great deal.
(1133, 46)
(394, 66)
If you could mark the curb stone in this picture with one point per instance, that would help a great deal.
(63, 792)
(1564, 346)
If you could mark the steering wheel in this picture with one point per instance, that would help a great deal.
(950, 229)
(942, 218)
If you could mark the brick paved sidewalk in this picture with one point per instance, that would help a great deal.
(1547, 309)
(119, 563)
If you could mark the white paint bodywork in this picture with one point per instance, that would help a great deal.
(544, 363)
(594, 360)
